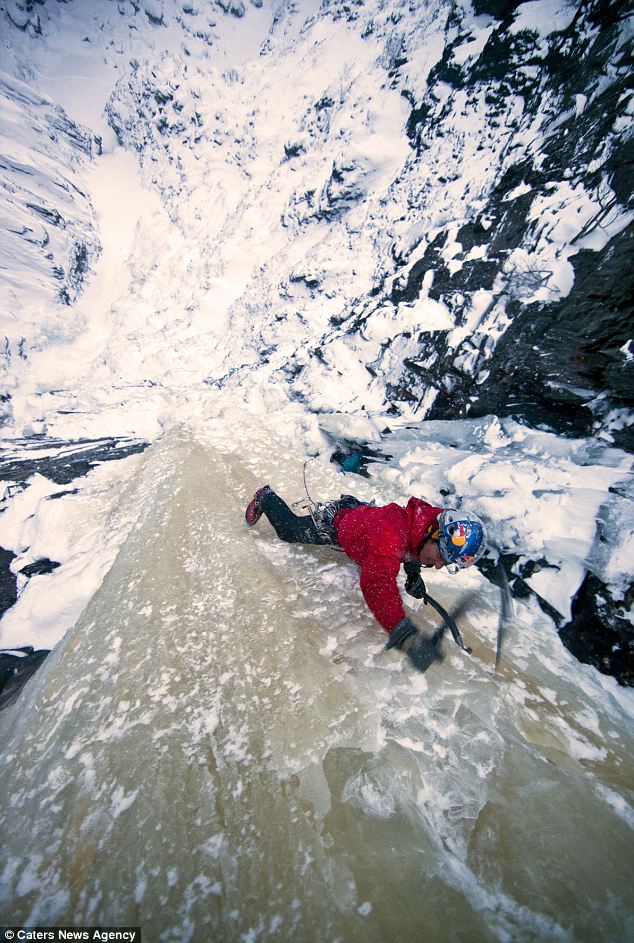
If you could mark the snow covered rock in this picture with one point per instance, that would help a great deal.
(236, 7)
(48, 234)
(344, 187)
(518, 188)
(154, 11)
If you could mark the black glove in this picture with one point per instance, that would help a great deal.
(421, 650)
(414, 584)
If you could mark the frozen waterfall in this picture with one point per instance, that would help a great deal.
(222, 748)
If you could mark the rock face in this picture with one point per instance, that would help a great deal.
(532, 268)
(563, 364)
(599, 633)
(495, 247)
(8, 580)
(16, 667)
(62, 462)
(559, 362)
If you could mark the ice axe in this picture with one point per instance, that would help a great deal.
(506, 609)
(450, 621)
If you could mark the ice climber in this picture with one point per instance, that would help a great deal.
(379, 540)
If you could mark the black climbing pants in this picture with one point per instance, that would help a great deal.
(315, 528)
(292, 528)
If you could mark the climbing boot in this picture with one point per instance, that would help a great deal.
(254, 509)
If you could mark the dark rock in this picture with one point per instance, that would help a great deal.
(555, 358)
(410, 291)
(343, 189)
(51, 216)
(67, 465)
(416, 122)
(235, 7)
(504, 55)
(16, 667)
(325, 102)
(500, 9)
(8, 581)
(598, 633)
(311, 281)
(558, 365)
(39, 568)
(293, 150)
(61, 494)
(79, 262)
(447, 70)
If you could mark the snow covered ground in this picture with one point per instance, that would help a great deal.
(265, 187)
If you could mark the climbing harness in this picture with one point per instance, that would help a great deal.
(314, 508)
(323, 515)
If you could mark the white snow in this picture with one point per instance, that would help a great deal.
(424, 315)
(544, 16)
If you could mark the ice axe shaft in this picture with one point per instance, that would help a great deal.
(506, 610)
(450, 622)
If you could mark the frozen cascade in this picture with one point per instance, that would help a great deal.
(221, 746)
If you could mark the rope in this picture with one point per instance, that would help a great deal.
(313, 507)
(310, 500)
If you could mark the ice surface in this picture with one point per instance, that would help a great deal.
(294, 782)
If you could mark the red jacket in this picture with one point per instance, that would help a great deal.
(379, 540)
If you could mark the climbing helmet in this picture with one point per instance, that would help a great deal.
(461, 538)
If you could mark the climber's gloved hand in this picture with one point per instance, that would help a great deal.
(422, 650)
(414, 584)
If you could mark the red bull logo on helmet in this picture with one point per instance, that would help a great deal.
(459, 534)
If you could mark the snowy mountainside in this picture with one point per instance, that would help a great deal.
(495, 208)
(49, 238)
(450, 180)
(409, 187)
